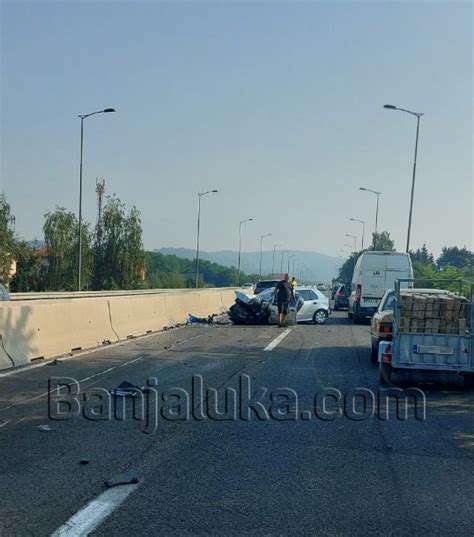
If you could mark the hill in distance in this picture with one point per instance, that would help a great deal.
(323, 267)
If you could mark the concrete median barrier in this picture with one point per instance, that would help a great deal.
(179, 306)
(31, 330)
(45, 329)
(138, 315)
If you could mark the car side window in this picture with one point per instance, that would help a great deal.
(313, 295)
(304, 294)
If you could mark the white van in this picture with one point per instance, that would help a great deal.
(374, 273)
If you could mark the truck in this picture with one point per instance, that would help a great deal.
(432, 332)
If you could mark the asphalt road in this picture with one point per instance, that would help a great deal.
(283, 471)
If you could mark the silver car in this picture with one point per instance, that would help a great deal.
(312, 305)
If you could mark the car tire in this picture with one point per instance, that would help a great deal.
(320, 317)
(374, 354)
(469, 382)
(385, 371)
(355, 317)
(349, 313)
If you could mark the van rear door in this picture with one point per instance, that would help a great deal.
(398, 266)
(373, 276)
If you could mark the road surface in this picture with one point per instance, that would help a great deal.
(283, 471)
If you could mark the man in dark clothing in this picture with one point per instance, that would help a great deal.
(283, 294)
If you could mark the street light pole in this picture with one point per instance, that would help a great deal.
(363, 228)
(418, 116)
(261, 250)
(240, 246)
(79, 242)
(376, 211)
(355, 241)
(283, 252)
(200, 194)
(275, 246)
(289, 257)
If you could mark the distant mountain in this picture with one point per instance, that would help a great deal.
(322, 267)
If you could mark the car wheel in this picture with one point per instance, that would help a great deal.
(355, 318)
(349, 313)
(385, 374)
(469, 382)
(320, 317)
(374, 354)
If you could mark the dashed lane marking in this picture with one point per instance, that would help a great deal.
(277, 340)
(86, 520)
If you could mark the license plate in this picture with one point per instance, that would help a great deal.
(432, 349)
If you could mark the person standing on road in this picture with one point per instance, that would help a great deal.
(283, 293)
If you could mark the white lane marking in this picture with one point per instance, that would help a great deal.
(94, 513)
(277, 340)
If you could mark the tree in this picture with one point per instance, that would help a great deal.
(453, 256)
(61, 233)
(382, 242)
(347, 270)
(28, 276)
(119, 259)
(422, 256)
(7, 240)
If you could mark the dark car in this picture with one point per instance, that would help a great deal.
(334, 290)
(265, 284)
(341, 297)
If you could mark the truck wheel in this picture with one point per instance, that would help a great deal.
(385, 374)
(374, 354)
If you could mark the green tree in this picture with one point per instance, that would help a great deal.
(347, 270)
(452, 256)
(61, 232)
(119, 257)
(29, 276)
(7, 240)
(383, 242)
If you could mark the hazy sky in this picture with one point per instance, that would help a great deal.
(279, 105)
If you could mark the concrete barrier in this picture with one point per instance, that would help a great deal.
(178, 307)
(136, 316)
(31, 330)
(44, 329)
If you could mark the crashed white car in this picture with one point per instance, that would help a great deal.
(311, 305)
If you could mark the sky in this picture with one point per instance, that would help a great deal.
(278, 105)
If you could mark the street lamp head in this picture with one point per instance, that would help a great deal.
(214, 191)
(109, 110)
(390, 106)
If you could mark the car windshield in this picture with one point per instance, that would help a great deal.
(266, 295)
(265, 285)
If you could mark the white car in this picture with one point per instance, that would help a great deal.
(312, 305)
